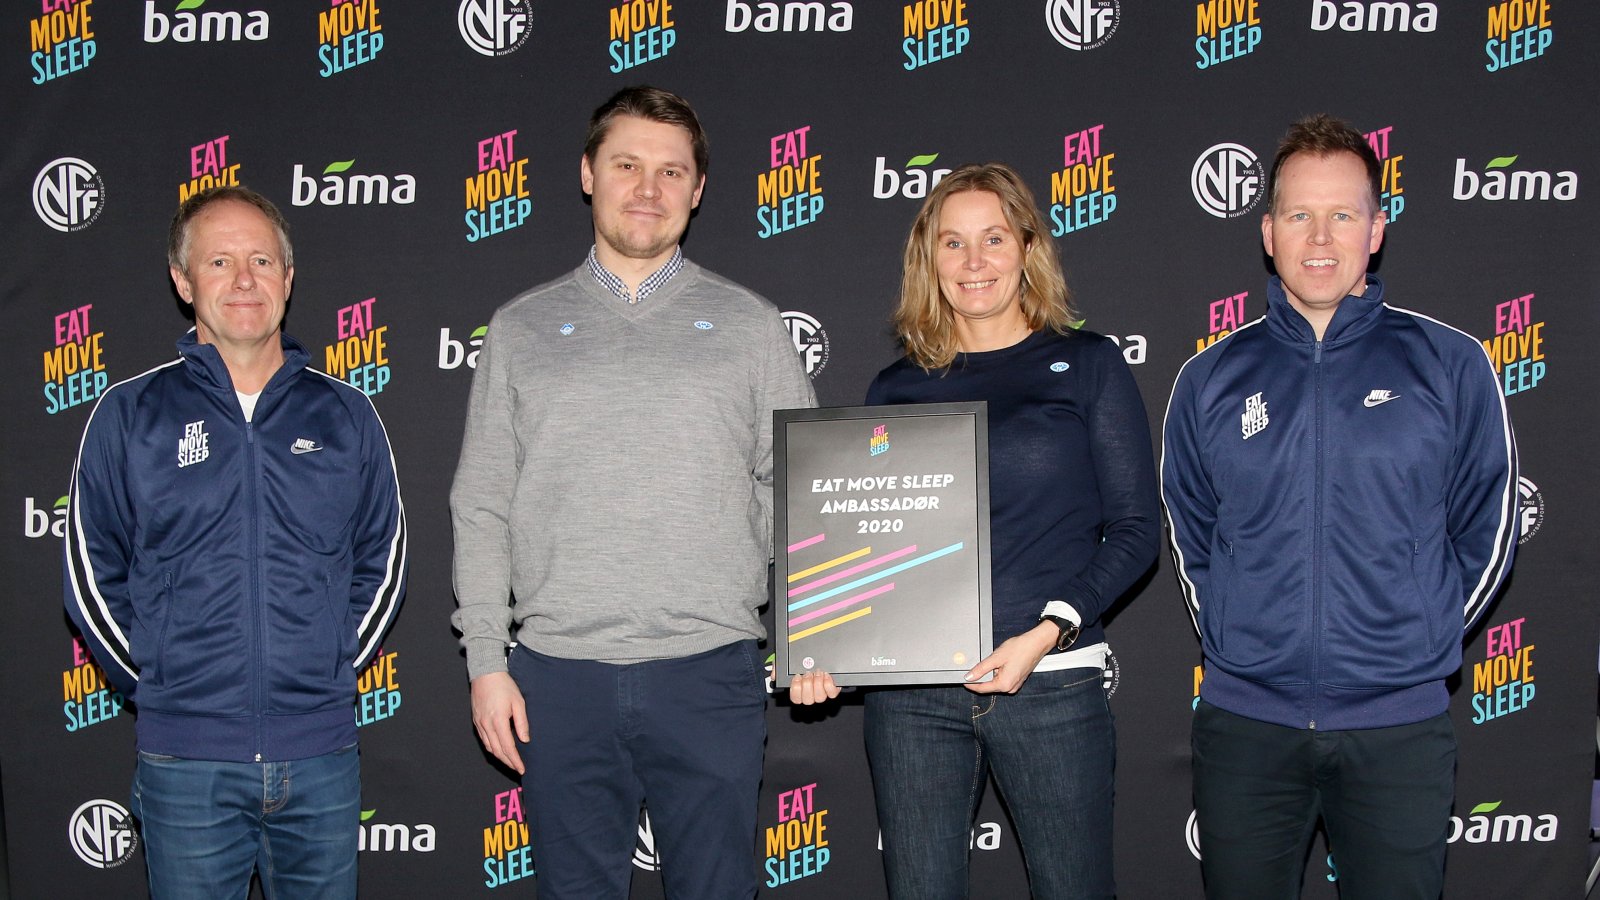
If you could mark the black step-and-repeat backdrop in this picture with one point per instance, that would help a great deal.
(426, 155)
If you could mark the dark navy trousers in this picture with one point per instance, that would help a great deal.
(684, 737)
(1383, 794)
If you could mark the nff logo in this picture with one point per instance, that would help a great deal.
(1227, 180)
(645, 854)
(494, 27)
(810, 340)
(1530, 504)
(68, 194)
(101, 833)
(1082, 24)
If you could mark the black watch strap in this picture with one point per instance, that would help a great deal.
(1069, 631)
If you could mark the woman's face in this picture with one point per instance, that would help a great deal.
(979, 261)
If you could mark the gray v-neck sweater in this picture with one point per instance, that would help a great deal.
(616, 473)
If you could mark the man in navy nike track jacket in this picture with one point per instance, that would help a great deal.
(1340, 479)
(236, 549)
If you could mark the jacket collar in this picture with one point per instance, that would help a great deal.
(1353, 318)
(205, 364)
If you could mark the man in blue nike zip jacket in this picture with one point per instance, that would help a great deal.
(236, 549)
(1340, 479)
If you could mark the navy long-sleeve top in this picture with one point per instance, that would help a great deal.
(1074, 514)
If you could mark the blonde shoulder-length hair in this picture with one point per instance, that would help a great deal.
(923, 319)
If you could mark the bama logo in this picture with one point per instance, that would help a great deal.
(810, 340)
(789, 16)
(68, 194)
(1227, 180)
(934, 30)
(1480, 827)
(338, 189)
(184, 26)
(1500, 182)
(1135, 347)
(101, 833)
(1376, 15)
(1225, 30)
(61, 39)
(914, 181)
(39, 520)
(789, 194)
(453, 353)
(983, 836)
(1519, 31)
(381, 837)
(348, 35)
(1082, 24)
(641, 31)
(494, 27)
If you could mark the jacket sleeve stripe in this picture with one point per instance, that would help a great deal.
(1506, 530)
(94, 613)
(1190, 596)
(1169, 498)
(387, 601)
(1505, 537)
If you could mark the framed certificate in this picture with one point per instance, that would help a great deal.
(881, 542)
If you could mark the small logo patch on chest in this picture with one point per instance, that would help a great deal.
(1254, 420)
(195, 445)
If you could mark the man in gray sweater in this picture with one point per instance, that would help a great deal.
(612, 512)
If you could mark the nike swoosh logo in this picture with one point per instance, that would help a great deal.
(1377, 401)
(304, 447)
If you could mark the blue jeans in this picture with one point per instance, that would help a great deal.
(1384, 795)
(1052, 748)
(683, 736)
(207, 826)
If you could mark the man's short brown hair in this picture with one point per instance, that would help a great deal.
(1323, 135)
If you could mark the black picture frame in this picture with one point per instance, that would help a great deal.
(881, 543)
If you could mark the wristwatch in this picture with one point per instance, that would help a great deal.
(1069, 628)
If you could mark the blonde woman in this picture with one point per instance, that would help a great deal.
(984, 315)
